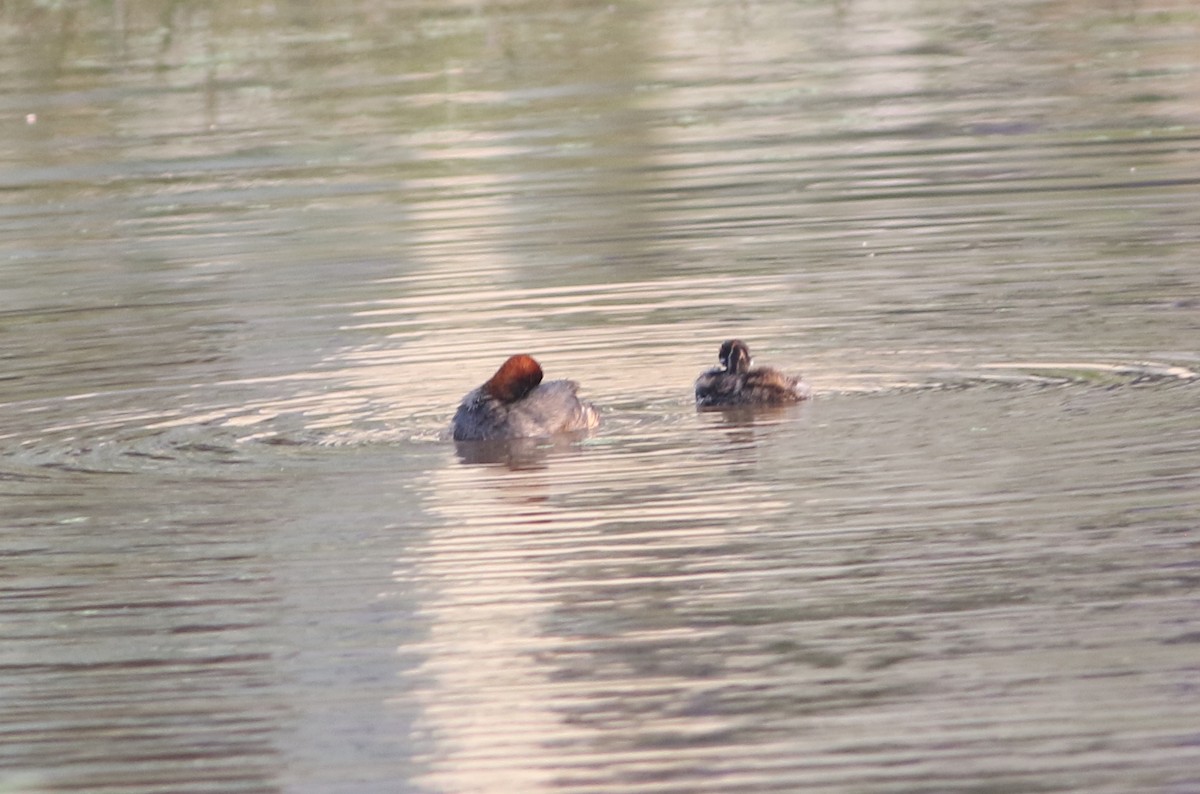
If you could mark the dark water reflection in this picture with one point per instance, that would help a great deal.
(252, 256)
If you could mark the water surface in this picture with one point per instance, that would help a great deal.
(251, 257)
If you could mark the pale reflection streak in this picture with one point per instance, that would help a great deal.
(517, 552)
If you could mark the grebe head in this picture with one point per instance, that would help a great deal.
(516, 377)
(734, 356)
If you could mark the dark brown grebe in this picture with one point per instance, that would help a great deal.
(736, 383)
(514, 403)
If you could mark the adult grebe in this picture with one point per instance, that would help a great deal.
(514, 403)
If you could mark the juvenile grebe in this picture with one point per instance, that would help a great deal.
(735, 383)
(514, 403)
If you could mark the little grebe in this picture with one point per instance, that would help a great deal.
(514, 403)
(735, 383)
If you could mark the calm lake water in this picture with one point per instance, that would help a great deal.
(251, 256)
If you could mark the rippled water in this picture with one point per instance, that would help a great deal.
(252, 256)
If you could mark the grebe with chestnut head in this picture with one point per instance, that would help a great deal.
(735, 382)
(514, 403)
